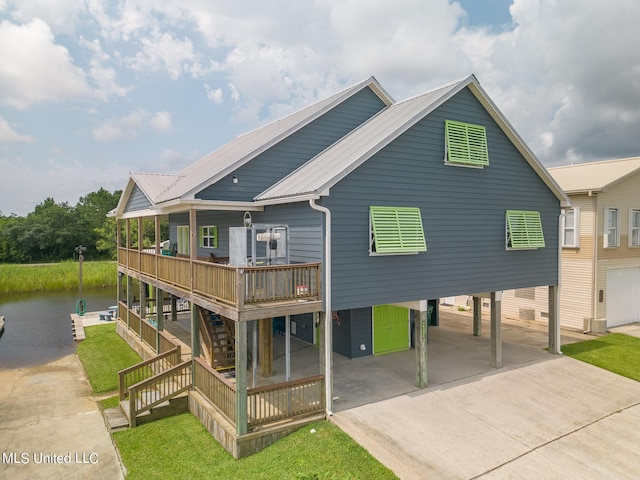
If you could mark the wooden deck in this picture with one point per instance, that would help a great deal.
(238, 293)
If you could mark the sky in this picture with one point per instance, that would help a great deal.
(91, 90)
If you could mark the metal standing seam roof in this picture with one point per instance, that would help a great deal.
(330, 166)
(153, 184)
(242, 149)
(594, 176)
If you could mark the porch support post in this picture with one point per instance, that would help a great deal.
(496, 329)
(143, 302)
(129, 299)
(241, 377)
(320, 318)
(554, 320)
(420, 341)
(193, 236)
(254, 352)
(287, 348)
(195, 331)
(174, 308)
(477, 316)
(159, 316)
(266, 347)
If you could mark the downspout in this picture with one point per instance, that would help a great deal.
(561, 218)
(328, 322)
(594, 264)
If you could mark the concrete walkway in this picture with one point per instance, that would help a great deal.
(552, 417)
(51, 428)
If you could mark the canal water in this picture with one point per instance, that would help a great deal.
(38, 325)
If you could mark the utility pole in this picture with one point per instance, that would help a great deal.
(81, 305)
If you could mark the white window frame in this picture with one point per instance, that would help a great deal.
(183, 239)
(566, 227)
(608, 228)
(209, 236)
(634, 230)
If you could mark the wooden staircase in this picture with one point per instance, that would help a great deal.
(218, 335)
(155, 388)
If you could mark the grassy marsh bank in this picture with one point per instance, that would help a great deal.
(55, 276)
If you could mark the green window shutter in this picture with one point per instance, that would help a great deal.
(397, 230)
(201, 236)
(466, 143)
(524, 229)
(214, 231)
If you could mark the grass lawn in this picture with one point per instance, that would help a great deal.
(103, 354)
(180, 447)
(616, 352)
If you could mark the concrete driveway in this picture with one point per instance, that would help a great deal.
(51, 428)
(551, 417)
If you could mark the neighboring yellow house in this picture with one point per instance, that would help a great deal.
(600, 268)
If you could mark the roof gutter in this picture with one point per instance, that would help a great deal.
(328, 322)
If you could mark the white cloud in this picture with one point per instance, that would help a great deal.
(61, 16)
(161, 121)
(124, 128)
(34, 69)
(214, 96)
(104, 77)
(9, 135)
(161, 51)
(131, 125)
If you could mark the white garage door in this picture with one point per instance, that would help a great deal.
(623, 296)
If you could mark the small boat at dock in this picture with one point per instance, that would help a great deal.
(1, 325)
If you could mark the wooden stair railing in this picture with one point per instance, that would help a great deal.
(160, 388)
(219, 338)
(146, 369)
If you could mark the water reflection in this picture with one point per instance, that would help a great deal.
(38, 326)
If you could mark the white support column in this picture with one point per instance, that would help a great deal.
(554, 320)
(420, 342)
(477, 316)
(496, 329)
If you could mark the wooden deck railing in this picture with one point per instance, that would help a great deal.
(229, 285)
(217, 389)
(166, 344)
(148, 333)
(134, 322)
(285, 400)
(159, 388)
(143, 370)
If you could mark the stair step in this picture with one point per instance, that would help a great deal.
(116, 418)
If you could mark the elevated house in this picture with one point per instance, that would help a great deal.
(600, 268)
(343, 222)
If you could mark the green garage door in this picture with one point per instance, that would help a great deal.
(390, 329)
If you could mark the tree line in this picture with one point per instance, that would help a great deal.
(53, 230)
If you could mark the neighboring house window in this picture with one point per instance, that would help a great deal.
(571, 228)
(208, 236)
(183, 240)
(396, 230)
(634, 227)
(466, 144)
(611, 228)
(524, 230)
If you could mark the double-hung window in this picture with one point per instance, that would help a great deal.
(395, 230)
(611, 227)
(571, 228)
(208, 236)
(523, 230)
(634, 227)
(466, 144)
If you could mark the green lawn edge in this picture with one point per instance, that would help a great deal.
(615, 352)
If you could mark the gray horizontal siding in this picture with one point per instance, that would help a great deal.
(305, 229)
(280, 160)
(137, 201)
(463, 213)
